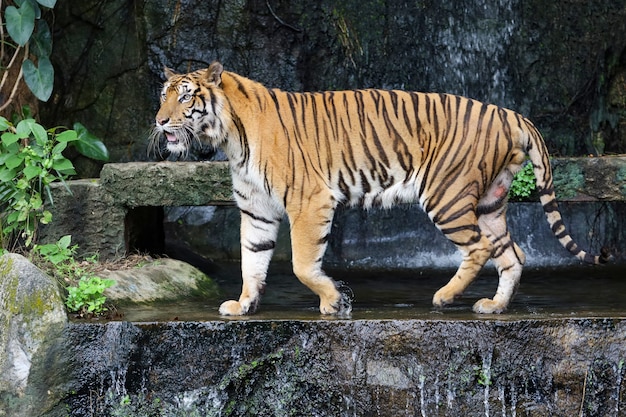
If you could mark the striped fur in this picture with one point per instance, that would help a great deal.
(304, 154)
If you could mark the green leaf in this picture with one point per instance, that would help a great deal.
(9, 138)
(47, 3)
(31, 171)
(20, 22)
(40, 79)
(41, 41)
(89, 145)
(59, 148)
(6, 194)
(67, 136)
(24, 128)
(47, 217)
(63, 164)
(7, 174)
(65, 241)
(33, 4)
(4, 124)
(14, 161)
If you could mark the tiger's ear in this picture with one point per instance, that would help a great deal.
(169, 73)
(214, 73)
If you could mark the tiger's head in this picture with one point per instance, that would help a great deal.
(192, 107)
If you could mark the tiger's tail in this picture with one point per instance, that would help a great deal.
(538, 154)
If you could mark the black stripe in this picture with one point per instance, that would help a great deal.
(259, 218)
(241, 88)
(240, 194)
(261, 246)
(550, 206)
(573, 248)
(559, 225)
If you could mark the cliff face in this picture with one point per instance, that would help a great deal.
(562, 64)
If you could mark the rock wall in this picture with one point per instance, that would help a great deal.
(392, 368)
(562, 64)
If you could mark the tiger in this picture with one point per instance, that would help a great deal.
(304, 154)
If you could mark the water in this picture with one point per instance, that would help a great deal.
(581, 291)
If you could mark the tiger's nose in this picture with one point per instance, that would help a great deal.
(162, 121)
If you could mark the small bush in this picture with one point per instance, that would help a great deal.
(523, 184)
(85, 290)
(87, 297)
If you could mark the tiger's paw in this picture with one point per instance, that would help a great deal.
(444, 297)
(231, 308)
(342, 306)
(236, 308)
(489, 306)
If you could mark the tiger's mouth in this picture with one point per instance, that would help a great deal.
(171, 138)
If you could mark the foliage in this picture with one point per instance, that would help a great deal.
(31, 158)
(57, 253)
(524, 183)
(139, 407)
(86, 296)
(30, 34)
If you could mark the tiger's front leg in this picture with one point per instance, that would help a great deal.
(310, 229)
(258, 239)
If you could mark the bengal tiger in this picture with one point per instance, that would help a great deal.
(304, 154)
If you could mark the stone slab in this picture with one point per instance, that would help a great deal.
(103, 215)
(136, 184)
(585, 179)
(204, 183)
(474, 367)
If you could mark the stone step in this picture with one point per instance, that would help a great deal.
(121, 210)
(207, 183)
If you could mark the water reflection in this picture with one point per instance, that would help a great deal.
(378, 295)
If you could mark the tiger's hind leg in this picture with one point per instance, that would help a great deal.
(507, 256)
(464, 232)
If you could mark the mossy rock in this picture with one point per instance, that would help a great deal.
(159, 280)
(32, 320)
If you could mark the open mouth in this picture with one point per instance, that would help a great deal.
(171, 138)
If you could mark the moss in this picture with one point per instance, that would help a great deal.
(9, 284)
(568, 180)
(38, 302)
(621, 178)
(205, 286)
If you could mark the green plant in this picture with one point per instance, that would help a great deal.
(524, 183)
(31, 158)
(483, 377)
(59, 252)
(29, 36)
(84, 289)
(87, 297)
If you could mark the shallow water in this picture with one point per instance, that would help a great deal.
(582, 291)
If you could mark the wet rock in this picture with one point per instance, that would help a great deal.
(534, 367)
(32, 321)
(160, 280)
